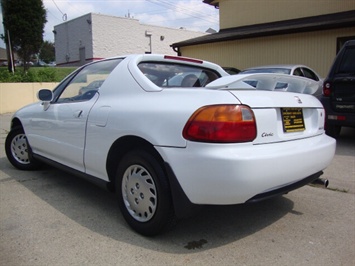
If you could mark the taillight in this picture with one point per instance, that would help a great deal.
(221, 123)
(326, 89)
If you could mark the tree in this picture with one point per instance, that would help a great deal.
(47, 53)
(24, 20)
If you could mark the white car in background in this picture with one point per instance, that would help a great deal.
(165, 149)
(293, 70)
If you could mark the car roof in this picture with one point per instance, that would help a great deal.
(168, 58)
(351, 42)
(288, 66)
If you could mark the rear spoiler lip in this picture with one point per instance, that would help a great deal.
(265, 81)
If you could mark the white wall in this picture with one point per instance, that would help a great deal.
(14, 96)
(70, 36)
(105, 36)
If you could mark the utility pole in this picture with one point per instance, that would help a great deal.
(9, 51)
(10, 54)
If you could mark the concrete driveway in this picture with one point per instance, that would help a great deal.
(49, 217)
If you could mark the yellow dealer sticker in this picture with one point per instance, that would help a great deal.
(292, 119)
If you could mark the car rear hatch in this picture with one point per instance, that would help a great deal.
(341, 81)
(280, 116)
(343, 94)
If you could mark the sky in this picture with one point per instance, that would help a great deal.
(190, 14)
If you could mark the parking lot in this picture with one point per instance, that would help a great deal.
(49, 217)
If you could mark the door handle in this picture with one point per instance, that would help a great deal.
(78, 114)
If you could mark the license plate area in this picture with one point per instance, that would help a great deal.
(292, 120)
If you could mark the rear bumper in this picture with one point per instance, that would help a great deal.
(286, 189)
(235, 173)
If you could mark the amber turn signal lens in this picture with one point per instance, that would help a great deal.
(221, 124)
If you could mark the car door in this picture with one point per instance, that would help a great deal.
(58, 131)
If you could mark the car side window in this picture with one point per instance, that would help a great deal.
(177, 75)
(310, 74)
(84, 85)
(298, 72)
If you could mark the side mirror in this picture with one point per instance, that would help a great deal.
(45, 95)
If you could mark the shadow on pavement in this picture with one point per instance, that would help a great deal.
(346, 142)
(96, 209)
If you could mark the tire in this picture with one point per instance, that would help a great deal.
(18, 150)
(333, 131)
(144, 195)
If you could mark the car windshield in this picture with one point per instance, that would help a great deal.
(267, 70)
(177, 75)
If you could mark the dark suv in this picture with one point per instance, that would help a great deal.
(338, 96)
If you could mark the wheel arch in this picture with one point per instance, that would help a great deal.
(21, 156)
(15, 122)
(123, 145)
(182, 205)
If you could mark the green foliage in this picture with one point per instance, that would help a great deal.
(47, 53)
(24, 20)
(35, 74)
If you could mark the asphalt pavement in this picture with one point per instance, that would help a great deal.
(49, 217)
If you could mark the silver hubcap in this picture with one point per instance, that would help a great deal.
(19, 149)
(139, 193)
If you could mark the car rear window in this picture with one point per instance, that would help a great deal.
(347, 64)
(177, 75)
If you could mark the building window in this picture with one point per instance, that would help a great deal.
(342, 40)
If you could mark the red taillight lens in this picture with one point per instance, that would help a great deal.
(327, 89)
(221, 123)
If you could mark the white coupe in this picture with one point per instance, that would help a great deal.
(170, 133)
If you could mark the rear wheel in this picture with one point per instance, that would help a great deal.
(143, 193)
(18, 150)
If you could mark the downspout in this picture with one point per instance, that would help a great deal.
(176, 50)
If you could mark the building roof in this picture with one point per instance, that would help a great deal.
(212, 3)
(307, 24)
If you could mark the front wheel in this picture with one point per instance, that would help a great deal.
(18, 150)
(143, 193)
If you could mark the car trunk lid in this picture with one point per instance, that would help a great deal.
(280, 116)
